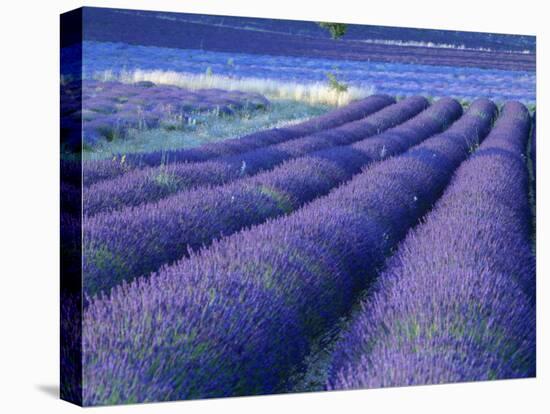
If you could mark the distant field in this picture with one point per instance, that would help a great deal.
(305, 39)
(154, 63)
(297, 88)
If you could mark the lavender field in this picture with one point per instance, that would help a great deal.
(259, 219)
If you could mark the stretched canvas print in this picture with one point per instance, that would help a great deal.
(254, 206)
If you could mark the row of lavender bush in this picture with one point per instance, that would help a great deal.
(456, 303)
(237, 318)
(98, 170)
(153, 183)
(135, 241)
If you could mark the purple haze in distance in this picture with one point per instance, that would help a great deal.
(108, 25)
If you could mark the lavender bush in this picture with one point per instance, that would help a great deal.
(237, 317)
(153, 183)
(456, 303)
(110, 109)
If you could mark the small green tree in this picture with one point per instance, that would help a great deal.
(337, 30)
(334, 84)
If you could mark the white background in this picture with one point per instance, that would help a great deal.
(29, 191)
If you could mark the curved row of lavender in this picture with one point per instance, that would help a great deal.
(237, 318)
(124, 244)
(153, 183)
(98, 170)
(456, 303)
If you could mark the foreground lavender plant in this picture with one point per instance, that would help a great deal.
(153, 183)
(135, 241)
(456, 303)
(95, 171)
(237, 318)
